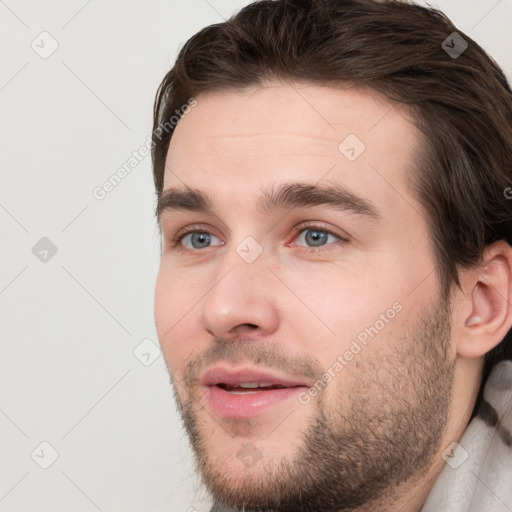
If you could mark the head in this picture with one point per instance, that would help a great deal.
(336, 228)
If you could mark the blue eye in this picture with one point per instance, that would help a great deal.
(201, 238)
(316, 237)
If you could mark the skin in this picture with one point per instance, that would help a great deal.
(291, 306)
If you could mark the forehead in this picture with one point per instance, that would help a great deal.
(239, 141)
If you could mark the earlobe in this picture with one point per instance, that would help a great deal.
(488, 302)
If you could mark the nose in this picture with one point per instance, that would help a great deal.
(241, 300)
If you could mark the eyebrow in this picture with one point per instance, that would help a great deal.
(284, 196)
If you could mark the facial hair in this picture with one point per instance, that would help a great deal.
(372, 429)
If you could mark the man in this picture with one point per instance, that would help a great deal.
(334, 297)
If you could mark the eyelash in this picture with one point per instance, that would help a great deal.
(176, 242)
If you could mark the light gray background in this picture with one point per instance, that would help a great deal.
(70, 325)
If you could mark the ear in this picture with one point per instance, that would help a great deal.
(485, 313)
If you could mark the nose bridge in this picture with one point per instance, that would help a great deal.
(245, 263)
(239, 294)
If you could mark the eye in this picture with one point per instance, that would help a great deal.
(197, 239)
(314, 236)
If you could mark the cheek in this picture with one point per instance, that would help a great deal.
(163, 304)
(177, 296)
(344, 299)
(174, 307)
(346, 312)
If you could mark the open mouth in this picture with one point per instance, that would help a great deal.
(249, 388)
(247, 392)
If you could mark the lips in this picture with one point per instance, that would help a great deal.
(245, 392)
(235, 377)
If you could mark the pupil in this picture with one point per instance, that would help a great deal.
(314, 236)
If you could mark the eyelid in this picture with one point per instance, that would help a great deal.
(320, 226)
(194, 228)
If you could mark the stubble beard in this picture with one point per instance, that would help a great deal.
(365, 439)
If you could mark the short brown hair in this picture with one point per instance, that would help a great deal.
(463, 103)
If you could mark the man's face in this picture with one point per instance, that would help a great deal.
(332, 310)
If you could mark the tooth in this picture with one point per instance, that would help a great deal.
(248, 392)
(248, 385)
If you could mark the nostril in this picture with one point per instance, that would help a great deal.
(244, 327)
